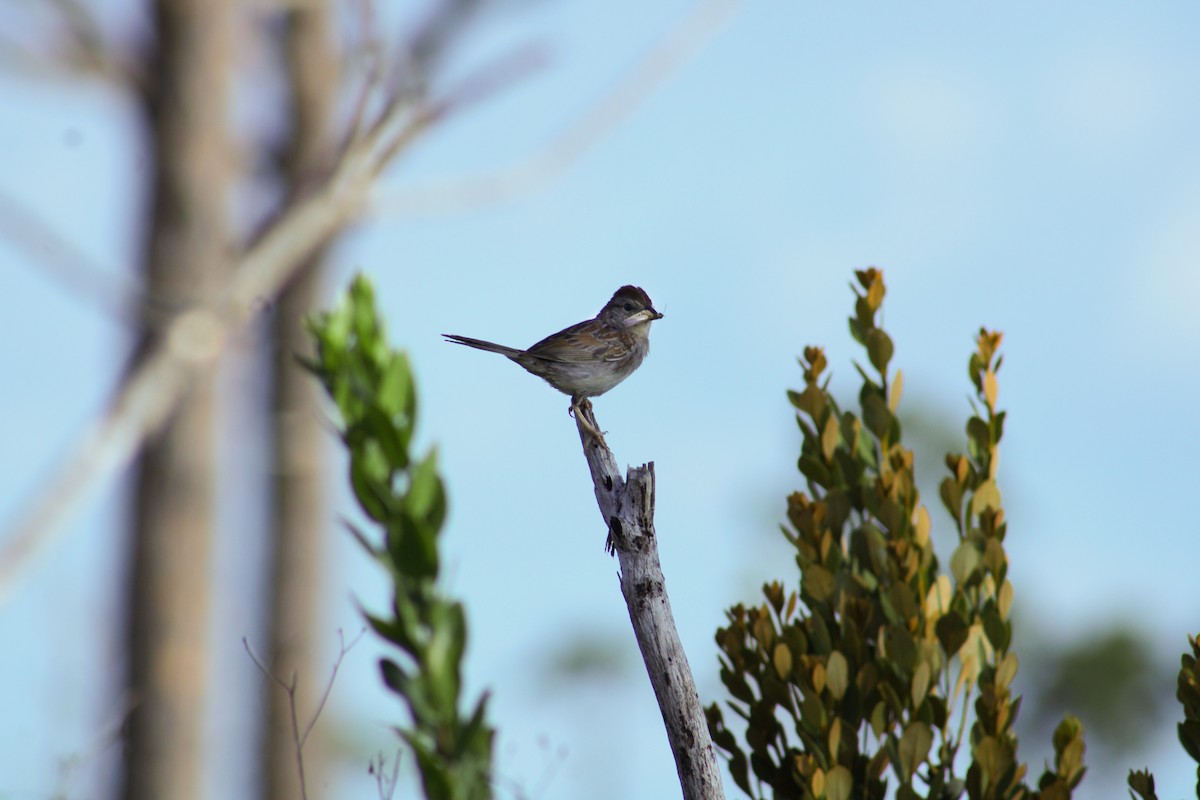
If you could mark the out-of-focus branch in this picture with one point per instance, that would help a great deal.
(432, 39)
(69, 267)
(308, 53)
(80, 50)
(683, 42)
(195, 338)
(627, 507)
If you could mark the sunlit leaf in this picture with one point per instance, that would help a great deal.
(839, 783)
(987, 495)
(829, 437)
(1006, 670)
(896, 391)
(964, 562)
(837, 676)
(990, 388)
(783, 661)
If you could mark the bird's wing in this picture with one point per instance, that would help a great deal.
(587, 341)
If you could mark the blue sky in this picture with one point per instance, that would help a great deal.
(1031, 169)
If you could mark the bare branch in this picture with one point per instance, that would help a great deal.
(194, 339)
(627, 507)
(683, 42)
(343, 649)
(441, 28)
(289, 687)
(66, 265)
(80, 50)
(371, 51)
(385, 783)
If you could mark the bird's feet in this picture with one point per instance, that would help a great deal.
(581, 411)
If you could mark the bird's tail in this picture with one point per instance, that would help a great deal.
(480, 344)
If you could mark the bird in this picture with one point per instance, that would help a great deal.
(591, 357)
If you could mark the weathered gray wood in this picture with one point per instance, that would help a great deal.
(627, 506)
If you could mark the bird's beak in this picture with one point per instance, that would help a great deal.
(645, 315)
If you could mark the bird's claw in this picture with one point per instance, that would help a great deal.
(578, 411)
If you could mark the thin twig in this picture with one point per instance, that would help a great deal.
(343, 649)
(289, 687)
(683, 42)
(385, 785)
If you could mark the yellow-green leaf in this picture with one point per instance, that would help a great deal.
(896, 391)
(1004, 599)
(818, 582)
(837, 676)
(964, 561)
(990, 388)
(922, 525)
(914, 747)
(920, 683)
(783, 661)
(1006, 671)
(838, 783)
(937, 602)
(987, 495)
(829, 437)
(818, 676)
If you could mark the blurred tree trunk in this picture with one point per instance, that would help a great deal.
(311, 62)
(187, 256)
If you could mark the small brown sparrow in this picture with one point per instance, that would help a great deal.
(588, 359)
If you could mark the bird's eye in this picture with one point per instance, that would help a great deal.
(629, 306)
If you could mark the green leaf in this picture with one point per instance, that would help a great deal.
(1068, 749)
(811, 467)
(839, 783)
(920, 683)
(830, 437)
(858, 331)
(425, 499)
(371, 496)
(1006, 670)
(914, 747)
(1189, 737)
(879, 349)
(979, 438)
(952, 632)
(875, 412)
(412, 545)
(395, 389)
(964, 562)
(392, 442)
(782, 660)
(818, 583)
(1142, 782)
(998, 632)
(837, 509)
(811, 401)
(837, 674)
(987, 495)
(951, 495)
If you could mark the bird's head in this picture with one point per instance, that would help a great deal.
(630, 307)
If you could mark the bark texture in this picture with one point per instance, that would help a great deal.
(187, 258)
(627, 506)
(299, 521)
